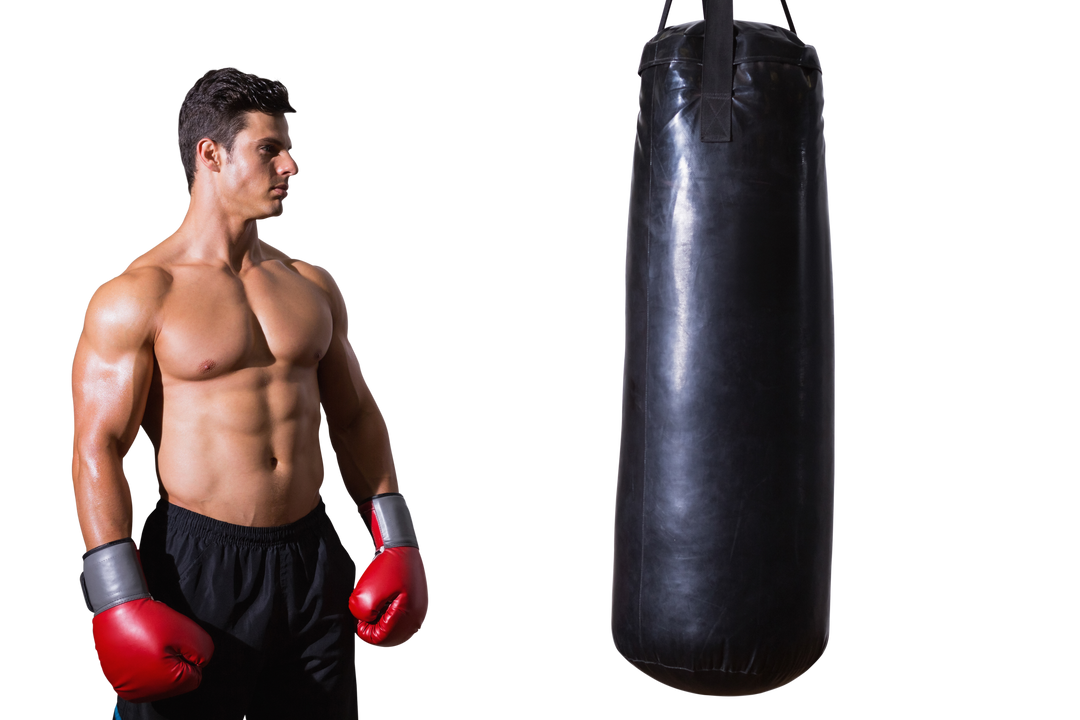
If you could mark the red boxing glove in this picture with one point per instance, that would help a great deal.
(147, 650)
(390, 601)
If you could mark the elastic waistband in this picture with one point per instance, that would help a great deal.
(185, 520)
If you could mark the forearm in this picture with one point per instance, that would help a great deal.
(364, 456)
(102, 496)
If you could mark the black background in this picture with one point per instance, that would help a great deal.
(464, 175)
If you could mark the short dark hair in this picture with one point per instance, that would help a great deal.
(216, 108)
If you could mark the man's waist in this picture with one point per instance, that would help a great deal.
(181, 519)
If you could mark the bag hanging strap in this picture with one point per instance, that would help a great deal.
(663, 18)
(716, 73)
(665, 10)
(716, 63)
(785, 10)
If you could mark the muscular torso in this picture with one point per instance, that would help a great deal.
(233, 406)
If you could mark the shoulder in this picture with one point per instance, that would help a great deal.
(321, 279)
(124, 310)
(317, 275)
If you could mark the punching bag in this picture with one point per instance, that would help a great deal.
(723, 530)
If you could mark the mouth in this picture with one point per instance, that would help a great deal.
(281, 191)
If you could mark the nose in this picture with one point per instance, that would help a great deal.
(291, 166)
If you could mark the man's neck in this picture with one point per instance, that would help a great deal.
(210, 233)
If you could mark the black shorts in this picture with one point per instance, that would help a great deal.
(276, 603)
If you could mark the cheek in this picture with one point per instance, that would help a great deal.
(240, 175)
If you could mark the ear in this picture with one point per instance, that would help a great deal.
(209, 155)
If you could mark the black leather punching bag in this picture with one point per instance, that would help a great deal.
(723, 531)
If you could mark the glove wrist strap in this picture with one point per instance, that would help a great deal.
(112, 576)
(389, 522)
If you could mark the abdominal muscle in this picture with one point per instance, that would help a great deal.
(243, 447)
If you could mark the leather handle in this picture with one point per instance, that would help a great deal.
(667, 6)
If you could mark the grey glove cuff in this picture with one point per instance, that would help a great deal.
(395, 522)
(112, 576)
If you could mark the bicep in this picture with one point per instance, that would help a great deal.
(342, 390)
(111, 376)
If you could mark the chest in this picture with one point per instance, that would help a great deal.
(214, 323)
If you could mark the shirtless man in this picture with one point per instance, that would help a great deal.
(222, 348)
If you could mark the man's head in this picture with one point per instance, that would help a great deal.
(218, 107)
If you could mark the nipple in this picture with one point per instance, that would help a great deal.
(207, 366)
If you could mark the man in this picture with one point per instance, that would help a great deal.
(222, 348)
